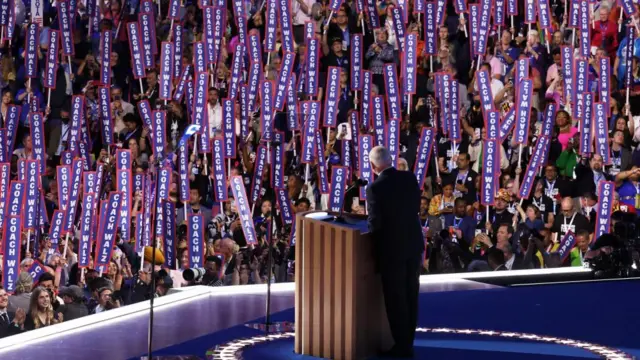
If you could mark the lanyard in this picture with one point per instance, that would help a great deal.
(456, 224)
(617, 159)
(64, 134)
(129, 135)
(442, 203)
(604, 27)
(550, 186)
(599, 177)
(536, 203)
(570, 223)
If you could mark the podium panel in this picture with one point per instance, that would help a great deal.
(339, 307)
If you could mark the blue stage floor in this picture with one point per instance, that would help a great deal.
(601, 313)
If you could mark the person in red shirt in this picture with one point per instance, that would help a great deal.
(604, 34)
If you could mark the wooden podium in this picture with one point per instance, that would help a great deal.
(339, 304)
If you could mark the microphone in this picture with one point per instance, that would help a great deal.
(356, 184)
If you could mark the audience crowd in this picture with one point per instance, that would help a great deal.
(288, 97)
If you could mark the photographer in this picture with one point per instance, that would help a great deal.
(447, 255)
(209, 275)
(247, 269)
(213, 265)
(163, 283)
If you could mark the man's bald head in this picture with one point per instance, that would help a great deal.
(567, 205)
(227, 246)
(228, 242)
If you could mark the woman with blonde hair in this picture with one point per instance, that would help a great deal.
(41, 312)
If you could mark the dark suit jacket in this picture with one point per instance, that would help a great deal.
(469, 183)
(53, 128)
(393, 204)
(59, 93)
(7, 328)
(584, 180)
(519, 263)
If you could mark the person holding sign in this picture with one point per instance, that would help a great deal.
(578, 253)
(605, 32)
(587, 178)
(393, 204)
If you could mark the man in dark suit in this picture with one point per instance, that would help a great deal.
(511, 261)
(58, 129)
(10, 324)
(393, 204)
(589, 175)
(464, 179)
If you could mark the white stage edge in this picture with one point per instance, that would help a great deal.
(192, 312)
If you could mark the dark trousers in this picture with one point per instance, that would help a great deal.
(400, 286)
(298, 34)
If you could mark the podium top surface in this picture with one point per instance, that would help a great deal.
(355, 222)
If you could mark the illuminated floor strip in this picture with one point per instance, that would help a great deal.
(233, 350)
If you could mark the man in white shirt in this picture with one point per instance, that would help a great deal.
(215, 113)
(119, 108)
(116, 95)
(496, 85)
(301, 14)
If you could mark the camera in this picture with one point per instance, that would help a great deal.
(617, 254)
(194, 274)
